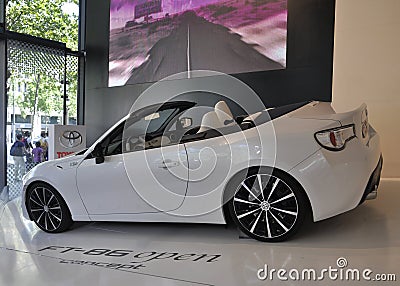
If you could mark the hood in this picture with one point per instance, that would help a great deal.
(43, 169)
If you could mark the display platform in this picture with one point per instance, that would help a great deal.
(182, 254)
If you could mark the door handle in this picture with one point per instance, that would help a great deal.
(168, 164)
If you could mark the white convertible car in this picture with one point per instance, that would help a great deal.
(266, 172)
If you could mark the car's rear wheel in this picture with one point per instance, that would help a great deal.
(268, 205)
(48, 209)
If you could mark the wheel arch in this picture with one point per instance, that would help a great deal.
(30, 185)
(54, 206)
(242, 174)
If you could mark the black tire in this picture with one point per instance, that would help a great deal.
(47, 208)
(273, 215)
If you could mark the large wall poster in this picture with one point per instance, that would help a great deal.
(152, 39)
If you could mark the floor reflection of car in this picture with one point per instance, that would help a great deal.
(271, 170)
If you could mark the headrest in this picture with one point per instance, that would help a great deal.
(224, 113)
(210, 121)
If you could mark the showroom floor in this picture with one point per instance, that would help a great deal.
(181, 254)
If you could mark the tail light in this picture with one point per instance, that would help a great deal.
(335, 139)
(364, 124)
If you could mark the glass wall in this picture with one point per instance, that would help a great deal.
(36, 95)
(42, 77)
(3, 105)
(56, 20)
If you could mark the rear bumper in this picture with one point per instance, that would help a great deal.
(336, 182)
(371, 191)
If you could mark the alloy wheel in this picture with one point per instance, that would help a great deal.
(265, 206)
(45, 209)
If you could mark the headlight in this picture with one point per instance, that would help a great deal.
(335, 139)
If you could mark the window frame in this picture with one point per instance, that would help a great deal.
(179, 107)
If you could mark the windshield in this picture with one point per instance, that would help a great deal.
(81, 152)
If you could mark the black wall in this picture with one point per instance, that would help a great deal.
(308, 75)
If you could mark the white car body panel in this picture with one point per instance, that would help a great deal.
(63, 179)
(333, 181)
(112, 183)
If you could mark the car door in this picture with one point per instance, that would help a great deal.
(213, 153)
(137, 175)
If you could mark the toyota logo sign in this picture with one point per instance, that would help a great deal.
(71, 139)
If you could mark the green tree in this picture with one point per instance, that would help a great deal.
(32, 100)
(45, 19)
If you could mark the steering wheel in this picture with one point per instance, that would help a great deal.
(192, 131)
(136, 143)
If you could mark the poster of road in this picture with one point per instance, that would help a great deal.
(153, 39)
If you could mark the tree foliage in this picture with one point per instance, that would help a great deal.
(44, 19)
(42, 94)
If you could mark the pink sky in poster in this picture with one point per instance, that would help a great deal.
(261, 24)
(122, 11)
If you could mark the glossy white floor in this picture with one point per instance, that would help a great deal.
(165, 254)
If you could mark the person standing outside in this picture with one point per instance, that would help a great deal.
(37, 154)
(18, 152)
(28, 141)
(28, 146)
(44, 145)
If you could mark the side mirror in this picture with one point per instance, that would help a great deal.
(186, 122)
(98, 154)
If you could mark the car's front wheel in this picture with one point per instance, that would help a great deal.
(47, 208)
(268, 205)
